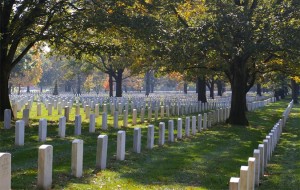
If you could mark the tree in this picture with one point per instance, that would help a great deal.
(24, 24)
(28, 72)
(245, 39)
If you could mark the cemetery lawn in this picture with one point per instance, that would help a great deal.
(204, 161)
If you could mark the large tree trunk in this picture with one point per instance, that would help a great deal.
(4, 93)
(119, 79)
(147, 83)
(185, 85)
(220, 87)
(110, 84)
(201, 89)
(258, 89)
(295, 91)
(238, 97)
(78, 84)
(28, 89)
(41, 89)
(212, 88)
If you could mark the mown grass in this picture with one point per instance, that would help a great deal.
(204, 161)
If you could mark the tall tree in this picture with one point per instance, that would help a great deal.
(22, 25)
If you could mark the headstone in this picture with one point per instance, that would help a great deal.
(199, 122)
(171, 131)
(156, 113)
(45, 160)
(251, 172)
(26, 117)
(112, 109)
(205, 121)
(234, 183)
(265, 141)
(261, 155)
(7, 118)
(105, 108)
(194, 125)
(104, 121)
(77, 125)
(120, 108)
(92, 123)
(59, 108)
(137, 140)
(167, 111)
(67, 113)
(179, 128)
(5, 171)
(161, 140)
(121, 145)
(77, 157)
(150, 137)
(101, 155)
(244, 177)
(256, 155)
(187, 126)
(96, 110)
(162, 111)
(42, 130)
(116, 120)
(134, 116)
(19, 133)
(142, 115)
(87, 112)
(149, 114)
(125, 118)
(62, 127)
(50, 109)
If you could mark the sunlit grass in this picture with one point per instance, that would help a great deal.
(204, 161)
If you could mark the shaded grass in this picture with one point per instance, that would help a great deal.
(283, 171)
(204, 161)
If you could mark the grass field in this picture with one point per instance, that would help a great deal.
(204, 161)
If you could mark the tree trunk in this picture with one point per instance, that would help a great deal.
(147, 83)
(295, 91)
(4, 93)
(197, 86)
(55, 92)
(212, 88)
(19, 90)
(185, 85)
(78, 85)
(152, 81)
(258, 89)
(28, 89)
(41, 89)
(110, 83)
(238, 97)
(202, 89)
(220, 87)
(119, 79)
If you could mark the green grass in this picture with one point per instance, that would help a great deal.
(204, 161)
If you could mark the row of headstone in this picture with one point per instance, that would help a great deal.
(250, 175)
(258, 104)
(46, 151)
